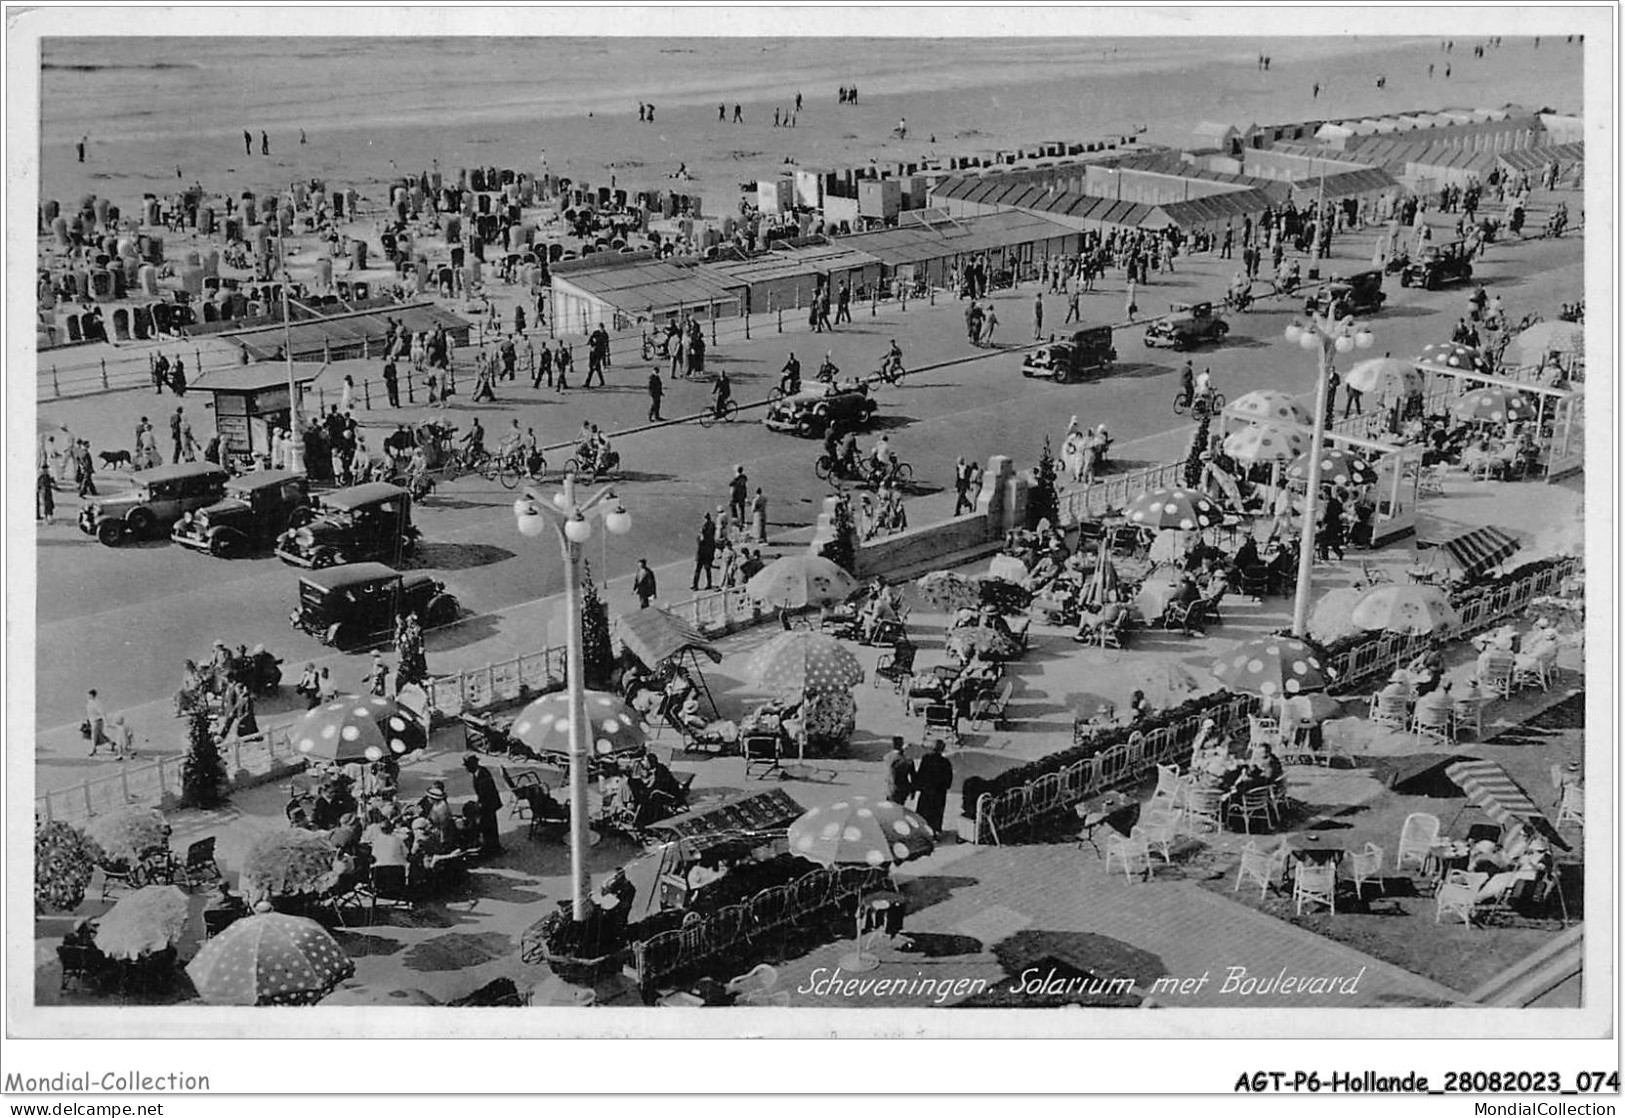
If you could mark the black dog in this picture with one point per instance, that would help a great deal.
(112, 459)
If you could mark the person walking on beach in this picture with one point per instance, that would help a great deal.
(739, 114)
(722, 114)
(265, 143)
(798, 100)
(657, 389)
(775, 118)
(81, 146)
(248, 143)
(640, 111)
(1038, 316)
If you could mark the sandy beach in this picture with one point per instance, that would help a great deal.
(374, 108)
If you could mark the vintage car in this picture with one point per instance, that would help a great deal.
(157, 499)
(1437, 266)
(1360, 293)
(1186, 325)
(349, 606)
(817, 408)
(256, 509)
(371, 521)
(1065, 361)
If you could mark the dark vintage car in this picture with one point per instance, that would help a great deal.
(372, 521)
(1360, 293)
(817, 408)
(256, 509)
(1065, 361)
(157, 499)
(347, 607)
(1437, 266)
(1186, 325)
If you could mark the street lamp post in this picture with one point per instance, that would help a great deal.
(1322, 333)
(569, 519)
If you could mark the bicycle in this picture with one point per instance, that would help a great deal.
(612, 465)
(1212, 404)
(726, 412)
(506, 469)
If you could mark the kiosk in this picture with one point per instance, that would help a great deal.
(251, 400)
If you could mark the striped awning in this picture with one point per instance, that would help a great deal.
(1488, 786)
(1482, 548)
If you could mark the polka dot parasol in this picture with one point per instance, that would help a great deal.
(1268, 406)
(1337, 467)
(1453, 355)
(358, 729)
(802, 661)
(858, 831)
(287, 863)
(1265, 442)
(616, 728)
(1494, 405)
(1549, 337)
(269, 958)
(1274, 666)
(1383, 373)
(1404, 607)
(1186, 509)
(801, 580)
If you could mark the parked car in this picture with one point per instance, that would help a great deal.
(349, 606)
(1437, 266)
(1066, 361)
(157, 499)
(371, 521)
(811, 412)
(1360, 293)
(256, 509)
(1186, 325)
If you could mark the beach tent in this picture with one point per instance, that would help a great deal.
(655, 636)
(1488, 786)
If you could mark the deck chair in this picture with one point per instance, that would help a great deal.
(896, 666)
(761, 752)
(1433, 724)
(200, 865)
(1133, 852)
(1571, 806)
(389, 886)
(1536, 670)
(123, 875)
(1389, 710)
(1189, 619)
(1314, 885)
(1417, 836)
(941, 722)
(518, 804)
(990, 709)
(1254, 581)
(1495, 670)
(1366, 865)
(1458, 896)
(1252, 804)
(1265, 869)
(1170, 788)
(1159, 827)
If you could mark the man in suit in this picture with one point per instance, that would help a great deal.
(486, 795)
(643, 584)
(705, 554)
(899, 773)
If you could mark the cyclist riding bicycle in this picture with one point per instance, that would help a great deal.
(847, 460)
(880, 455)
(790, 381)
(474, 441)
(1187, 381)
(722, 392)
(827, 371)
(1202, 394)
(891, 365)
(1240, 294)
